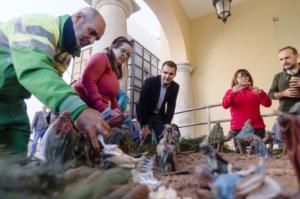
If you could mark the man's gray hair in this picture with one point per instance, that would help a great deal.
(89, 13)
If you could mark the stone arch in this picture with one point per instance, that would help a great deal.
(175, 25)
(164, 11)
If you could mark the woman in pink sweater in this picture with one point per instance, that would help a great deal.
(244, 100)
(99, 83)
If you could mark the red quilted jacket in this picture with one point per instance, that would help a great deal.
(245, 105)
(98, 85)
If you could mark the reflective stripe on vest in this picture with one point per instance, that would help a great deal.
(34, 30)
(34, 43)
(37, 31)
(4, 45)
(4, 41)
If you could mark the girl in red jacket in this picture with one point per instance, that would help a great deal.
(244, 100)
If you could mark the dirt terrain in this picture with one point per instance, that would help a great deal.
(279, 168)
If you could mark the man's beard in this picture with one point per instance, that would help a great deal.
(290, 66)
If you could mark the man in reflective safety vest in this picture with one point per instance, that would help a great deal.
(34, 51)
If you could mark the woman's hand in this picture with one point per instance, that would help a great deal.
(118, 110)
(256, 90)
(237, 88)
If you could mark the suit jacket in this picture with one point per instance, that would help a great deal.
(149, 98)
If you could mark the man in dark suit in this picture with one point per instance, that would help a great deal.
(157, 102)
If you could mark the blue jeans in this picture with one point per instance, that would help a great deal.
(37, 135)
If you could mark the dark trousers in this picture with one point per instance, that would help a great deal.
(156, 124)
(259, 132)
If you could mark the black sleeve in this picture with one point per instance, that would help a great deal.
(144, 103)
(48, 116)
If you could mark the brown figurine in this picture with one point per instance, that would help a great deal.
(167, 148)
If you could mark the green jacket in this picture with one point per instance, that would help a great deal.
(32, 60)
(281, 82)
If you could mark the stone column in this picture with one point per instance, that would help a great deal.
(115, 14)
(184, 100)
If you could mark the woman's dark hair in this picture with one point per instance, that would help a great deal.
(116, 44)
(244, 72)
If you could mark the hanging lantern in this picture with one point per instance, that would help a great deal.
(222, 8)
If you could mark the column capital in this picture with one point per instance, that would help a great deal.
(184, 67)
(129, 6)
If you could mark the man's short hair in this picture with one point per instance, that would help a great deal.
(294, 50)
(170, 64)
(89, 13)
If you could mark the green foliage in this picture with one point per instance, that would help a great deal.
(20, 176)
(104, 184)
(148, 145)
(24, 178)
(191, 144)
(216, 135)
(227, 149)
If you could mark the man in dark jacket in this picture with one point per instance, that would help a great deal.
(157, 101)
